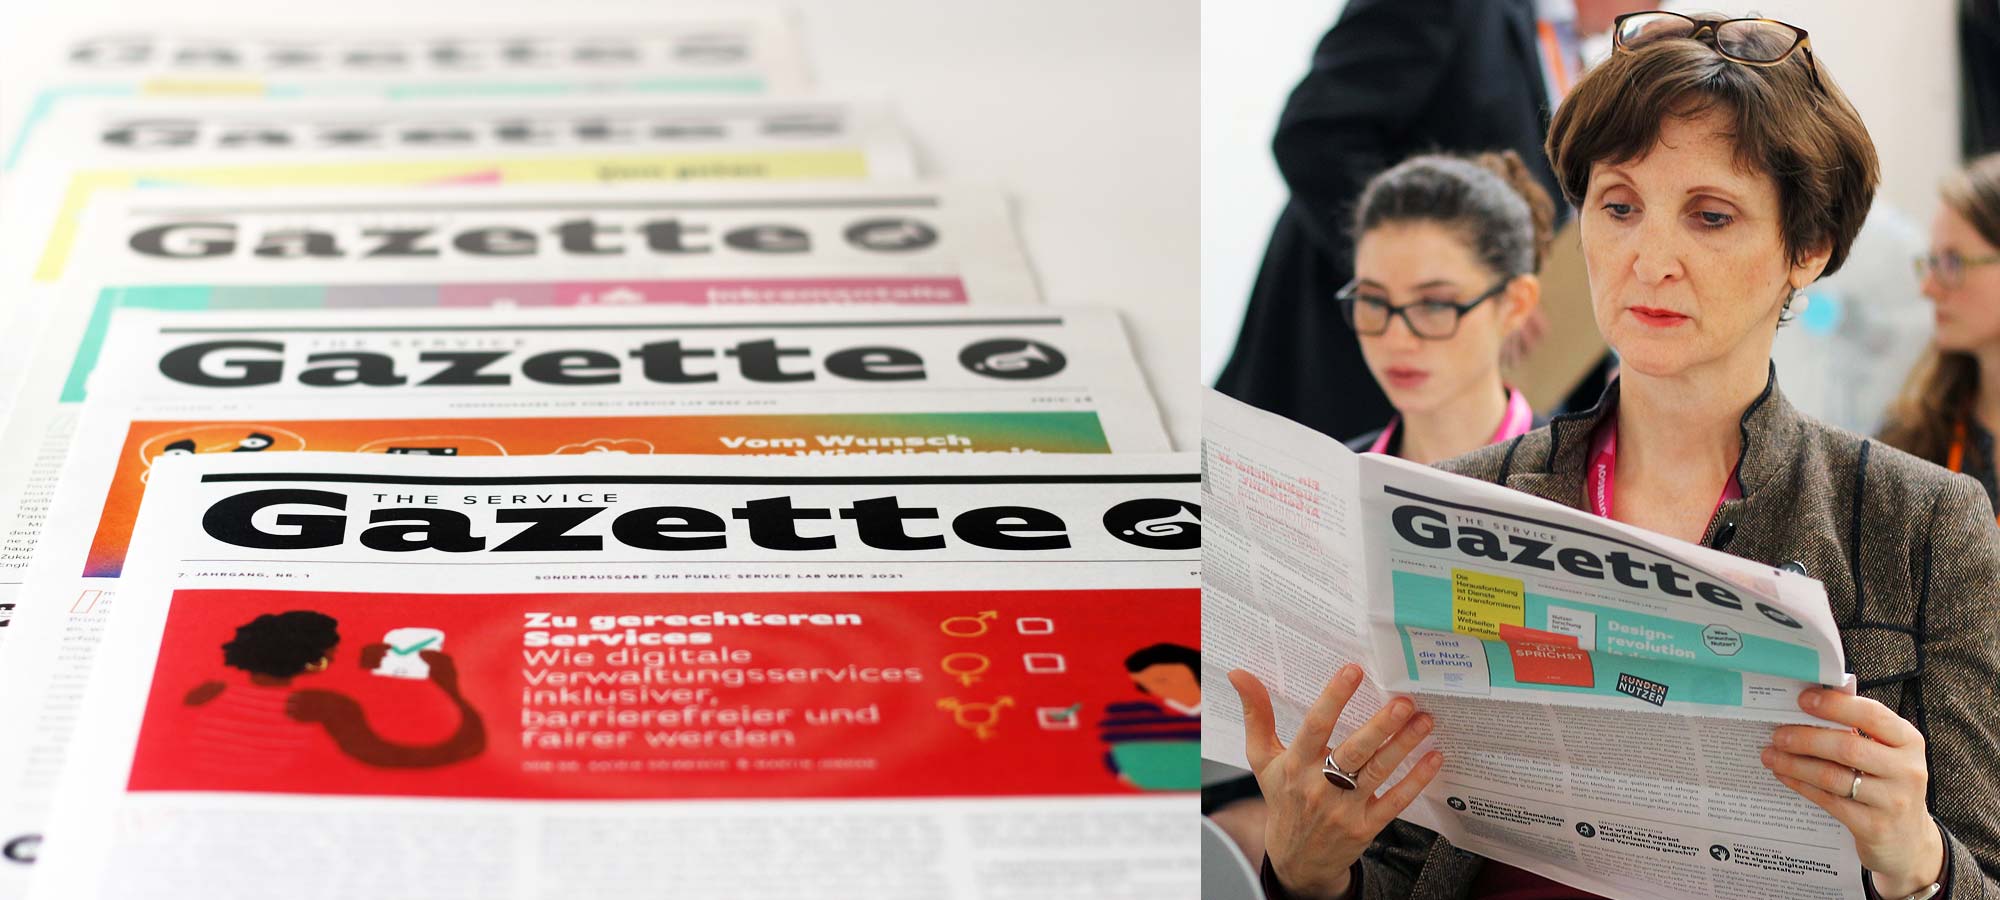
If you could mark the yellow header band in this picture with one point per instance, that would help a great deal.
(775, 165)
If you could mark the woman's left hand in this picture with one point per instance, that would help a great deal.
(1893, 831)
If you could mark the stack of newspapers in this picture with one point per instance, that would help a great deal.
(491, 462)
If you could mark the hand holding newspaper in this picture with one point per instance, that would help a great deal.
(1600, 693)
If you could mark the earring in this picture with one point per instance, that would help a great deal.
(1796, 307)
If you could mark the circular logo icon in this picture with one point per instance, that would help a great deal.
(1015, 359)
(1156, 524)
(1583, 828)
(1722, 640)
(893, 234)
(1778, 616)
(1455, 803)
(1719, 852)
(21, 849)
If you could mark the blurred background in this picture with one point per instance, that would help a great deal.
(1842, 361)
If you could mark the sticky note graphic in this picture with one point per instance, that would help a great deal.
(1515, 634)
(1481, 603)
(1449, 662)
(1580, 625)
(1543, 657)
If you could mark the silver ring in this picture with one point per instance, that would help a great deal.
(1855, 788)
(1339, 777)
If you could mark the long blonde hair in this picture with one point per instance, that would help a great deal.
(1943, 385)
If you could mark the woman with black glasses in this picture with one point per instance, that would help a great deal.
(1445, 256)
(1947, 413)
(1717, 172)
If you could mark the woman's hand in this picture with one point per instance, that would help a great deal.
(1893, 831)
(1316, 831)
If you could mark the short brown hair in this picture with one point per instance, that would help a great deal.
(1812, 143)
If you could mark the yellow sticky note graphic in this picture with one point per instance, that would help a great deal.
(1481, 603)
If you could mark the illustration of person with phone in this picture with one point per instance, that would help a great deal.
(1155, 744)
(262, 714)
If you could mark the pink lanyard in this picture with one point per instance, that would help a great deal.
(1604, 469)
(1518, 420)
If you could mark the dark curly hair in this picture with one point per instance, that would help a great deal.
(1165, 653)
(1491, 201)
(282, 645)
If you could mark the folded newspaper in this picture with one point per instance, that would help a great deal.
(536, 676)
(1600, 693)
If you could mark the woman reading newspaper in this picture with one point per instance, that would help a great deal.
(1718, 171)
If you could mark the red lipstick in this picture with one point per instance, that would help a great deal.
(1658, 318)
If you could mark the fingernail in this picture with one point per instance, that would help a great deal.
(1422, 725)
(1768, 756)
(1350, 674)
(1781, 739)
(1809, 699)
(1400, 709)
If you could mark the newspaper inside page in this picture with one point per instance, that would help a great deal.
(1601, 720)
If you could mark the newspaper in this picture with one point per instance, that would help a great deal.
(650, 235)
(128, 135)
(1601, 693)
(922, 674)
(746, 49)
(98, 146)
(723, 245)
(911, 385)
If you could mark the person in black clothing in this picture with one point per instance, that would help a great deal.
(1392, 79)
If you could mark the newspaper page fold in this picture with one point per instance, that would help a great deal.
(1601, 694)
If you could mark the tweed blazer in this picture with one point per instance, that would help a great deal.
(1910, 557)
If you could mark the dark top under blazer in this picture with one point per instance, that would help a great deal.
(1910, 557)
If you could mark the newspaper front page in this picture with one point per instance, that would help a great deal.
(1601, 693)
(439, 144)
(535, 676)
(742, 49)
(639, 382)
(738, 245)
(95, 147)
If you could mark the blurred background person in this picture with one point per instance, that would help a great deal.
(1444, 275)
(1444, 269)
(1393, 78)
(1949, 408)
